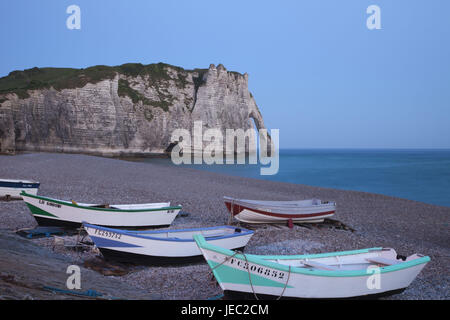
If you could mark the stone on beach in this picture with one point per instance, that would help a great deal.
(378, 220)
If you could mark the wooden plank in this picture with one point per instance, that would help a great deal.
(383, 261)
(319, 265)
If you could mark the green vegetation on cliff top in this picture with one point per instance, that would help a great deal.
(19, 82)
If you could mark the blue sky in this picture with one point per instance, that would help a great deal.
(316, 71)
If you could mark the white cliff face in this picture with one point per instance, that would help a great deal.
(126, 114)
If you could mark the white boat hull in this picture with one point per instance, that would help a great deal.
(251, 211)
(251, 216)
(162, 246)
(13, 188)
(49, 211)
(271, 277)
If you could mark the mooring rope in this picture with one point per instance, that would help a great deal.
(250, 277)
(248, 268)
(286, 284)
(226, 259)
(88, 293)
(77, 242)
(249, 273)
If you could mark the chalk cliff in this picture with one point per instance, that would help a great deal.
(128, 109)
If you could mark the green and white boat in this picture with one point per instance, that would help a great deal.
(345, 274)
(54, 212)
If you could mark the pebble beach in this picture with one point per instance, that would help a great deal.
(363, 220)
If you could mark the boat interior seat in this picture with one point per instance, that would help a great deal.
(213, 234)
(382, 261)
(319, 265)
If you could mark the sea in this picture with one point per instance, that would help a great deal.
(415, 174)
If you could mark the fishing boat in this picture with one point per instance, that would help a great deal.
(54, 212)
(163, 246)
(11, 189)
(345, 274)
(256, 211)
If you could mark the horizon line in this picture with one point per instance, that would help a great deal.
(365, 148)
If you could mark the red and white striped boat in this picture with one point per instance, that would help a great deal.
(256, 211)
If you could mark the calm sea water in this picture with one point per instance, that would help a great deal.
(422, 175)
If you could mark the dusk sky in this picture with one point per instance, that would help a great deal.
(316, 71)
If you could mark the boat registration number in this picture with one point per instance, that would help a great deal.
(276, 274)
(107, 234)
(51, 204)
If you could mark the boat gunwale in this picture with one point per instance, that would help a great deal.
(254, 203)
(19, 180)
(136, 234)
(24, 194)
(256, 259)
(265, 212)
